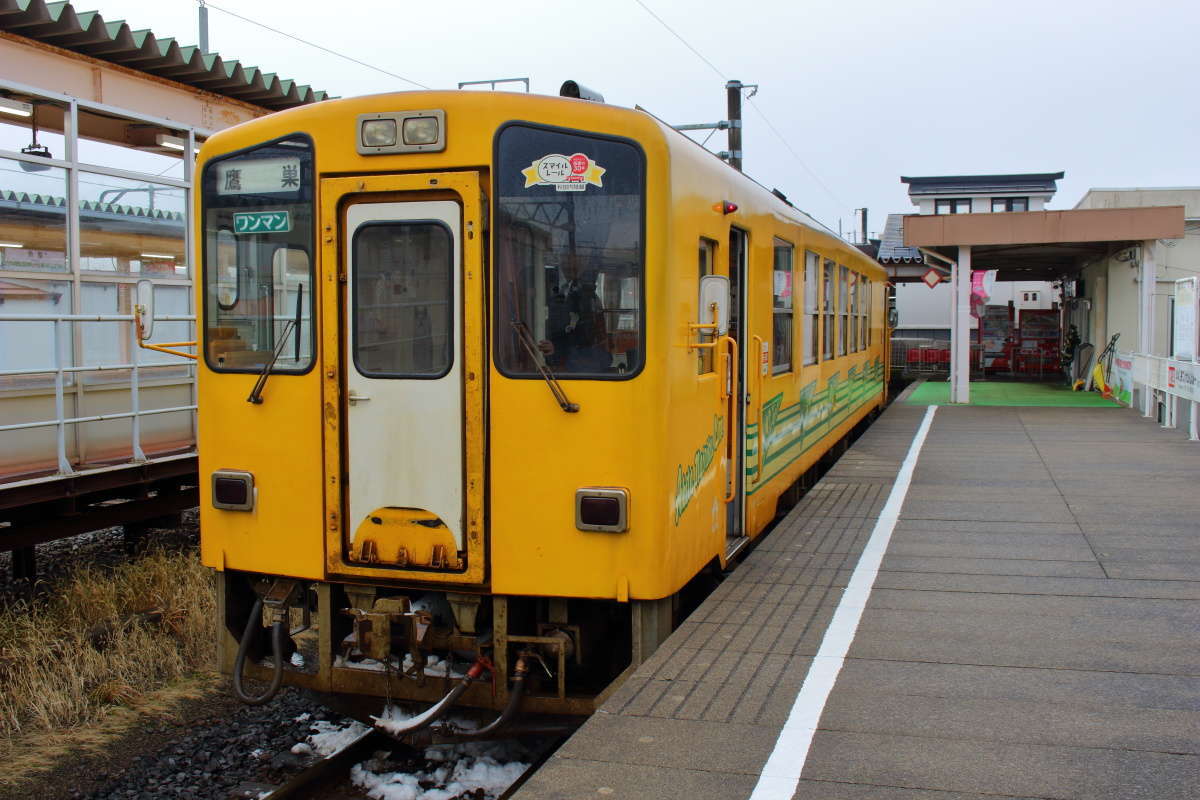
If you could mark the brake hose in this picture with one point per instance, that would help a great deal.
(244, 646)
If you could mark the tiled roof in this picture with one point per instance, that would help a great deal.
(983, 184)
(891, 244)
(88, 33)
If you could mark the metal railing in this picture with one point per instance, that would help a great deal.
(60, 370)
(1166, 381)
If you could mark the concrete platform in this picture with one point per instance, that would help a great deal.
(1033, 630)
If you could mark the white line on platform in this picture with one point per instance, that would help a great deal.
(781, 774)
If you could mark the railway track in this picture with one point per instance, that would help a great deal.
(323, 775)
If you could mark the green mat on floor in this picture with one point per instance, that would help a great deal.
(997, 393)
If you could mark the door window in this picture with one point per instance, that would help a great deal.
(403, 296)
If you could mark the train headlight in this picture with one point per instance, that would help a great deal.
(602, 510)
(421, 130)
(233, 490)
(379, 133)
(401, 132)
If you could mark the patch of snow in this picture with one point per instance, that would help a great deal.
(434, 667)
(305, 717)
(460, 773)
(302, 749)
(256, 752)
(297, 659)
(331, 737)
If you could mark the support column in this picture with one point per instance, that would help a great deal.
(1148, 277)
(960, 332)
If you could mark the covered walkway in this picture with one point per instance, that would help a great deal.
(1036, 245)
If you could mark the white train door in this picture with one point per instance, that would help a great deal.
(403, 366)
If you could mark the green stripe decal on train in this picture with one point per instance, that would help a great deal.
(806, 422)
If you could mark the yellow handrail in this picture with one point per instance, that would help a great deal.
(162, 347)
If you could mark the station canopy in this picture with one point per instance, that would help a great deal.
(1037, 245)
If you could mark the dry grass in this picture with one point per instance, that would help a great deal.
(103, 638)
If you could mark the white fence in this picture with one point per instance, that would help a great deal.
(1170, 383)
(60, 368)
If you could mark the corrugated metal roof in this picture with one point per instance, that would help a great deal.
(88, 33)
(891, 244)
(31, 201)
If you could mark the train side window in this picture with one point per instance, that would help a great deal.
(830, 306)
(851, 304)
(843, 304)
(812, 316)
(782, 311)
(707, 258)
(864, 297)
(868, 292)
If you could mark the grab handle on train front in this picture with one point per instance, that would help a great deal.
(729, 389)
(758, 401)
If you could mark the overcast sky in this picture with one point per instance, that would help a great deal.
(863, 91)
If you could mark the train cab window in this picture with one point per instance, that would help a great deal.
(403, 295)
(781, 301)
(257, 216)
(843, 310)
(568, 254)
(829, 304)
(812, 316)
(708, 252)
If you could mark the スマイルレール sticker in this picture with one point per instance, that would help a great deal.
(564, 173)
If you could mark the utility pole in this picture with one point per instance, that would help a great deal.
(733, 124)
(733, 94)
(203, 28)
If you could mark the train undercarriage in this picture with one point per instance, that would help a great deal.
(491, 657)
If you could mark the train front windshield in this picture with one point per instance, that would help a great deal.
(258, 208)
(569, 254)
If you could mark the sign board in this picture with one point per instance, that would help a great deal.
(246, 222)
(1185, 320)
(258, 176)
(931, 277)
(764, 358)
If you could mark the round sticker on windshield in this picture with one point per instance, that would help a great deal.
(572, 173)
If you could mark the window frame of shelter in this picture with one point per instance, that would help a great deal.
(783, 308)
(812, 315)
(707, 260)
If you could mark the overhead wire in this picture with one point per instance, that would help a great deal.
(770, 126)
(317, 46)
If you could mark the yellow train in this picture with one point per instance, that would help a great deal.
(487, 379)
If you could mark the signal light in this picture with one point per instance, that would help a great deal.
(725, 207)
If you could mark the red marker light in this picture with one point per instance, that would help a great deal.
(725, 207)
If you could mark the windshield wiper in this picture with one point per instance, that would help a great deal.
(256, 393)
(526, 339)
(292, 325)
